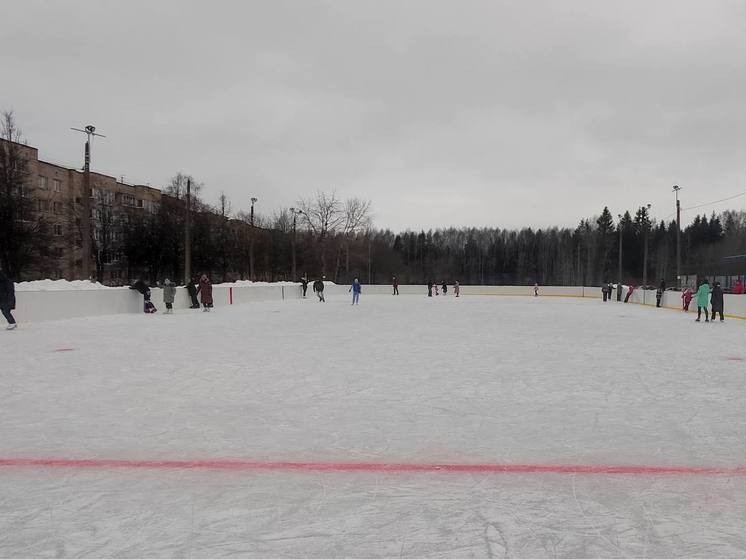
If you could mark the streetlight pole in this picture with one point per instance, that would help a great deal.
(85, 199)
(619, 283)
(296, 213)
(678, 238)
(251, 242)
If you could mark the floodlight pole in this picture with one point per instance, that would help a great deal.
(676, 189)
(619, 283)
(85, 200)
(295, 213)
(646, 226)
(251, 241)
(188, 234)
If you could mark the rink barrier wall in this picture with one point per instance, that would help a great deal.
(37, 306)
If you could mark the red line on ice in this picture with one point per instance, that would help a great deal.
(404, 467)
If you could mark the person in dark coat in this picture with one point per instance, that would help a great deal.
(191, 288)
(7, 300)
(445, 288)
(304, 285)
(205, 292)
(395, 283)
(716, 300)
(605, 292)
(318, 289)
(430, 288)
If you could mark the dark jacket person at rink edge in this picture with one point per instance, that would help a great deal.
(318, 288)
(716, 301)
(192, 291)
(141, 287)
(7, 299)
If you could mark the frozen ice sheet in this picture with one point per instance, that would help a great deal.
(408, 379)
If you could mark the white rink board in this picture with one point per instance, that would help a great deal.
(513, 380)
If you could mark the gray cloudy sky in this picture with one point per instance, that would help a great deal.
(490, 112)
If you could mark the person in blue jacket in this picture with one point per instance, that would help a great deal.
(356, 290)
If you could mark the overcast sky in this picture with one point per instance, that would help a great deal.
(493, 113)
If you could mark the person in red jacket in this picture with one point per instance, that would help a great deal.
(686, 298)
(205, 292)
(738, 288)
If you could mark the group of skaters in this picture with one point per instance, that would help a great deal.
(197, 287)
(432, 286)
(706, 297)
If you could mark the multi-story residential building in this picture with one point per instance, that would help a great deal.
(57, 207)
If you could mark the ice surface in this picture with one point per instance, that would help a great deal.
(397, 379)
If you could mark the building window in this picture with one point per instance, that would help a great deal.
(57, 207)
(57, 185)
(42, 205)
(139, 203)
(128, 200)
(57, 230)
(58, 252)
(43, 183)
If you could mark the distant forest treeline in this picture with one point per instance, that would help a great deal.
(588, 254)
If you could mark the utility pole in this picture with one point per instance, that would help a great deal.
(251, 241)
(295, 213)
(646, 226)
(619, 284)
(676, 189)
(85, 199)
(188, 234)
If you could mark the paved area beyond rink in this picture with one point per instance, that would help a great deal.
(405, 427)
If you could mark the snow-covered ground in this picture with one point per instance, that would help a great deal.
(60, 285)
(404, 380)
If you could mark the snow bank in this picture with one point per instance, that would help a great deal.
(60, 285)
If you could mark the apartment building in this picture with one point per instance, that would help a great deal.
(57, 207)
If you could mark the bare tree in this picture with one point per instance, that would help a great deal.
(20, 235)
(323, 215)
(357, 218)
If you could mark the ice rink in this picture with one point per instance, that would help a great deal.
(291, 429)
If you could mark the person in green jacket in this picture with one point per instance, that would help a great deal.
(703, 299)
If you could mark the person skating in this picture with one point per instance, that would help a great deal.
(169, 295)
(205, 292)
(456, 289)
(536, 290)
(191, 287)
(630, 291)
(356, 289)
(605, 292)
(686, 298)
(659, 293)
(318, 289)
(304, 285)
(395, 283)
(445, 288)
(430, 288)
(716, 301)
(8, 300)
(703, 299)
(610, 290)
